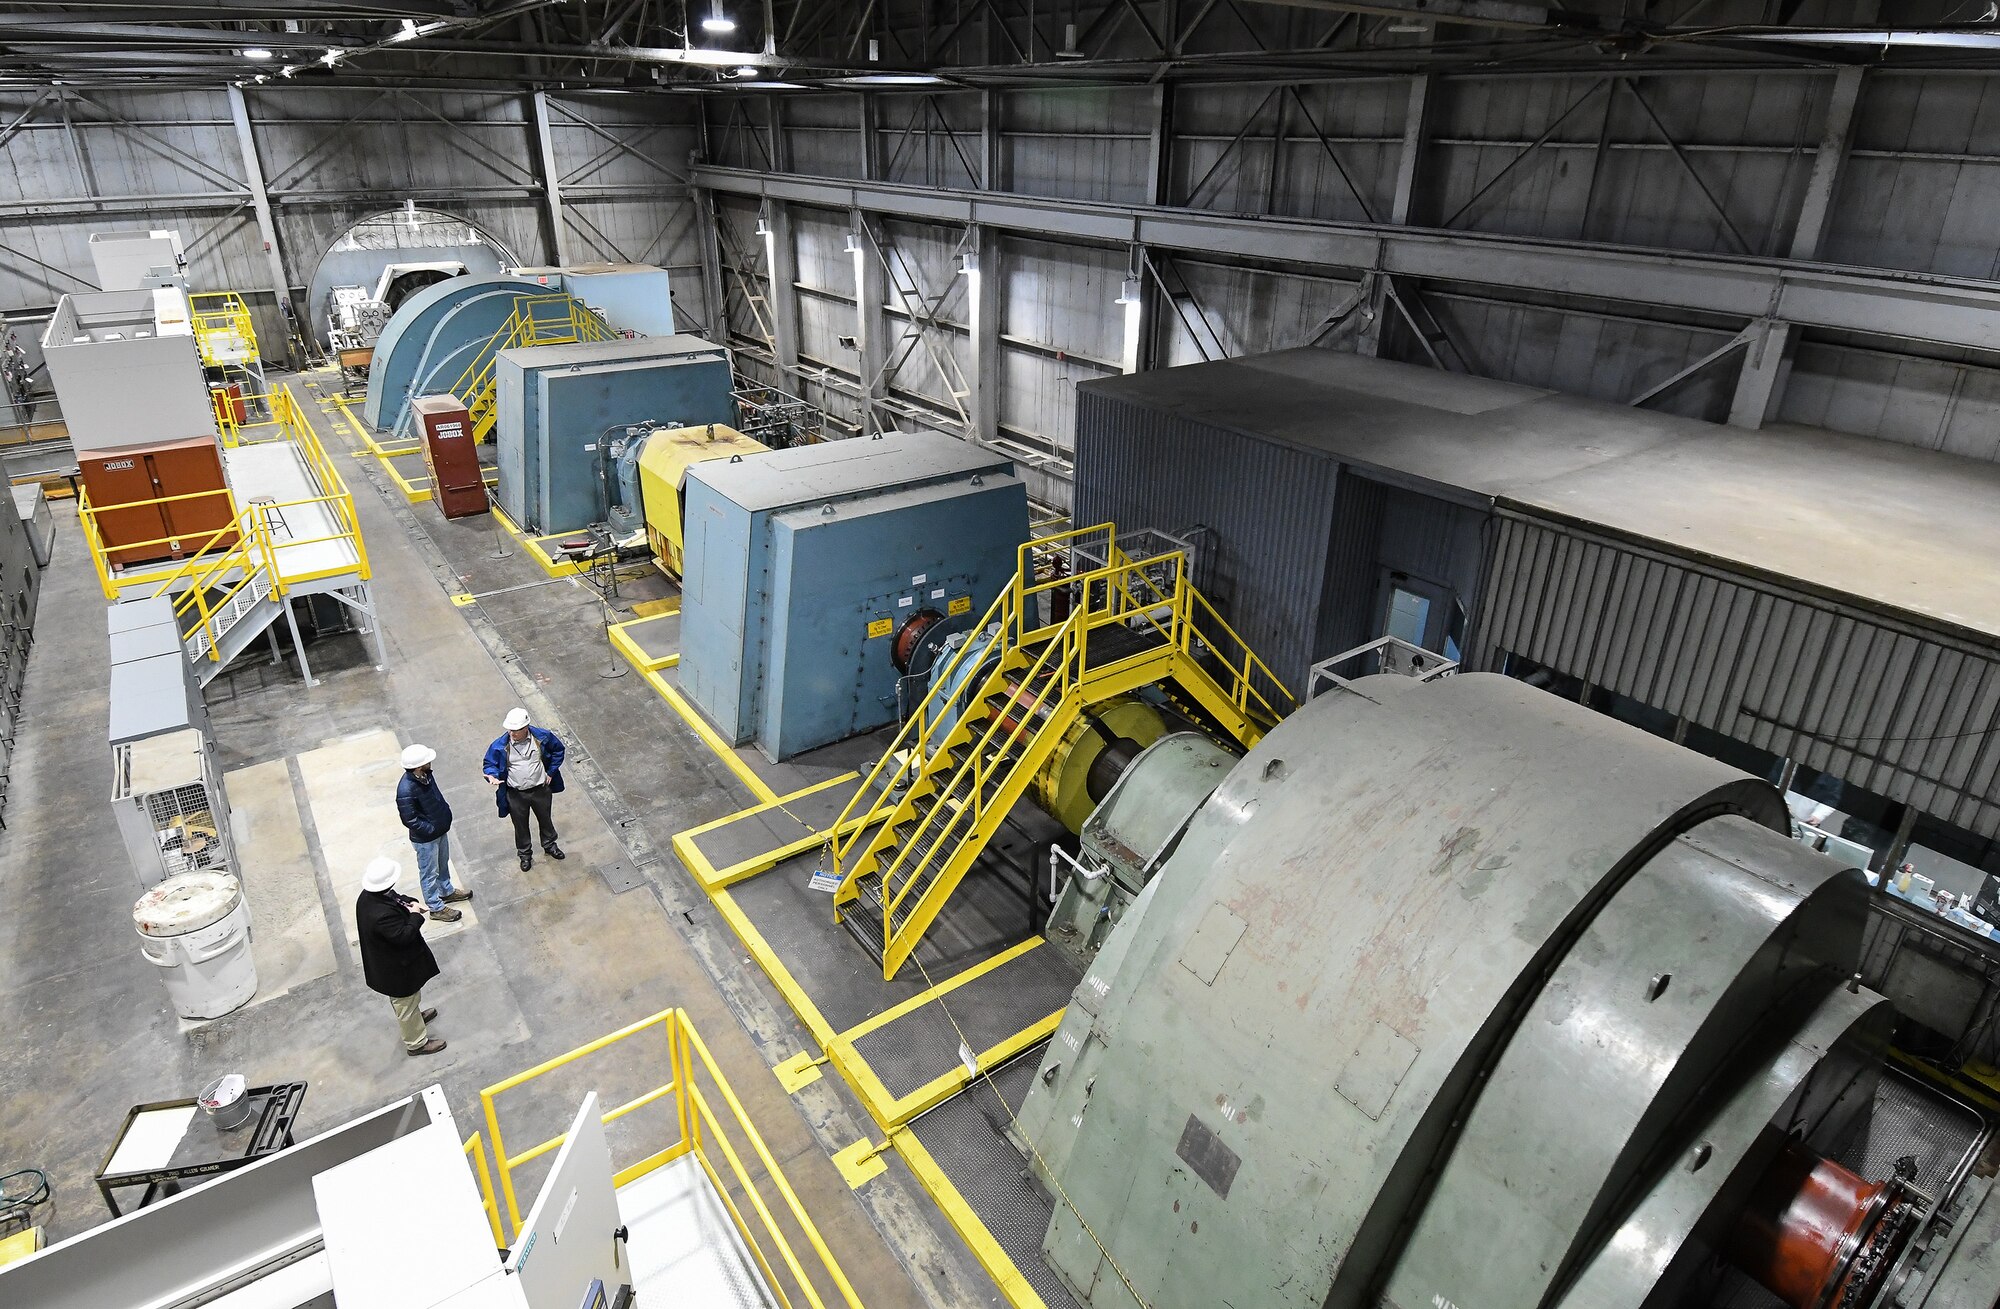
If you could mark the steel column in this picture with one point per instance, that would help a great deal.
(1368, 340)
(782, 251)
(260, 200)
(871, 325)
(551, 187)
(1767, 365)
(985, 303)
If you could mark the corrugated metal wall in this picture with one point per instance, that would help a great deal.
(1269, 508)
(99, 160)
(1902, 711)
(1920, 190)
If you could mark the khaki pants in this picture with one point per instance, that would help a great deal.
(410, 1018)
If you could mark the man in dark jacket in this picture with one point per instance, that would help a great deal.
(428, 818)
(524, 768)
(394, 959)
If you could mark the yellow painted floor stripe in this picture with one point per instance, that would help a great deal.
(781, 976)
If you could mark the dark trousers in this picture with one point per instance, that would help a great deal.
(541, 802)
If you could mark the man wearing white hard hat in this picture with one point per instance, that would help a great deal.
(395, 961)
(426, 814)
(524, 768)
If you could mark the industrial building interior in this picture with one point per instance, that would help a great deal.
(1085, 654)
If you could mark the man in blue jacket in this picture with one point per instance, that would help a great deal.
(524, 768)
(422, 807)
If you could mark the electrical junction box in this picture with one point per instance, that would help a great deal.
(558, 407)
(802, 565)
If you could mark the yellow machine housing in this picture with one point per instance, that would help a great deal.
(1062, 785)
(663, 466)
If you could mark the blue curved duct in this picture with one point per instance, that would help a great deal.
(432, 325)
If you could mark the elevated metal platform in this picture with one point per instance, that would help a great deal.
(293, 532)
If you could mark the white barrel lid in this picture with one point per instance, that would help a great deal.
(186, 903)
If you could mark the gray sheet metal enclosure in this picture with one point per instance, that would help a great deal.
(1822, 597)
(1297, 544)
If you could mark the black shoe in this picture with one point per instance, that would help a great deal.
(554, 851)
(431, 1046)
(430, 1015)
(527, 861)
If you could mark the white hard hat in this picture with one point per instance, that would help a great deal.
(416, 756)
(517, 718)
(381, 875)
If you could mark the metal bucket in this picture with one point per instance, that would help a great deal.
(225, 1101)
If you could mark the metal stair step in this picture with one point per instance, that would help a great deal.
(863, 917)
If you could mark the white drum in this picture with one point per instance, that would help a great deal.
(196, 928)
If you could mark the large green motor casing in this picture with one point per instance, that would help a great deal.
(1438, 1002)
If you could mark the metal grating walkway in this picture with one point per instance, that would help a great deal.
(965, 1135)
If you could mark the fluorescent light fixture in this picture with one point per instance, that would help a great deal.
(408, 33)
(1948, 39)
(288, 70)
(330, 58)
(747, 70)
(1128, 291)
(968, 263)
(713, 58)
(889, 79)
(256, 52)
(851, 243)
(717, 21)
(773, 86)
(263, 77)
(763, 225)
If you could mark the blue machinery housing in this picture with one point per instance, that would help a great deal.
(804, 565)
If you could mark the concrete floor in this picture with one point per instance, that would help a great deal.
(556, 956)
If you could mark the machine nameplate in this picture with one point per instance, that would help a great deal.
(1212, 1161)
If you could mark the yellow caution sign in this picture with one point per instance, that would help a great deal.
(959, 605)
(880, 627)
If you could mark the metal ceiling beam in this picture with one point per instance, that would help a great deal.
(1912, 306)
(1478, 13)
(216, 11)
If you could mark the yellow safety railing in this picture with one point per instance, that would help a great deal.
(224, 332)
(1121, 593)
(284, 416)
(209, 563)
(555, 319)
(967, 754)
(475, 1151)
(701, 1132)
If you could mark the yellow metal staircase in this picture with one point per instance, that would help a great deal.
(536, 320)
(1000, 707)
